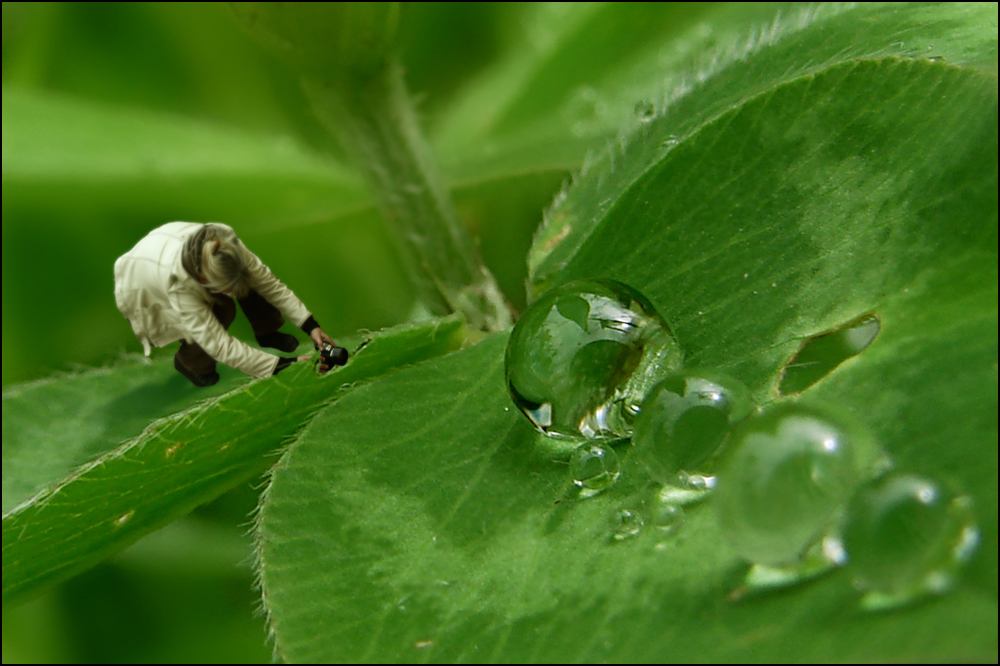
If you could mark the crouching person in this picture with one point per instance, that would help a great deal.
(180, 282)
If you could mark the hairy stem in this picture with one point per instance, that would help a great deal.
(375, 122)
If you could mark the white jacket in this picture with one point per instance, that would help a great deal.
(163, 303)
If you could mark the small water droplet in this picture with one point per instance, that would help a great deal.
(645, 111)
(627, 524)
(584, 110)
(121, 520)
(936, 58)
(670, 141)
(787, 472)
(594, 468)
(905, 538)
(583, 356)
(683, 421)
(667, 518)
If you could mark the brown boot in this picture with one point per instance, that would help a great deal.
(196, 379)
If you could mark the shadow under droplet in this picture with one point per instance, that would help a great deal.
(820, 355)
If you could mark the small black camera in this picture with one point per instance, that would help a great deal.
(333, 355)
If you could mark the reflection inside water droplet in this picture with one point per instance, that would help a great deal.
(582, 357)
(906, 537)
(594, 468)
(820, 355)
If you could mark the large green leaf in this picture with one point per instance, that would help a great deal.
(174, 465)
(788, 205)
(438, 531)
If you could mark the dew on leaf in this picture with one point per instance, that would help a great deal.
(670, 141)
(683, 421)
(594, 468)
(906, 537)
(784, 477)
(666, 518)
(627, 524)
(645, 111)
(583, 356)
(819, 355)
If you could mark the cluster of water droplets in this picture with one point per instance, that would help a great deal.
(799, 488)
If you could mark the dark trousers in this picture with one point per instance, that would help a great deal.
(264, 318)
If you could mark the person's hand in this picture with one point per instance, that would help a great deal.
(319, 337)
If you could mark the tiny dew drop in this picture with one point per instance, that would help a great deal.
(787, 473)
(906, 537)
(594, 468)
(645, 111)
(666, 518)
(583, 356)
(627, 524)
(683, 421)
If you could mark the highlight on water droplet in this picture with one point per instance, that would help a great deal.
(594, 468)
(786, 474)
(583, 356)
(821, 354)
(906, 537)
(682, 423)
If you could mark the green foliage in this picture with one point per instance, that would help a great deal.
(763, 174)
(175, 464)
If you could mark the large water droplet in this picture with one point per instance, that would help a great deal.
(684, 419)
(594, 468)
(583, 356)
(906, 537)
(785, 474)
(820, 355)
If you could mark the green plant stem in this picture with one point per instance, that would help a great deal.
(375, 122)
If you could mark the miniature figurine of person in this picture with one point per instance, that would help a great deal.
(179, 282)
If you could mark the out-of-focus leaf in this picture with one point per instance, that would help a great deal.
(175, 464)
(64, 152)
(585, 74)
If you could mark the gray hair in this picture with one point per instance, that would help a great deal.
(215, 254)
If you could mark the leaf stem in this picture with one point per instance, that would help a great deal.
(375, 122)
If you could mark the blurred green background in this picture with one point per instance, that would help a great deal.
(119, 117)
